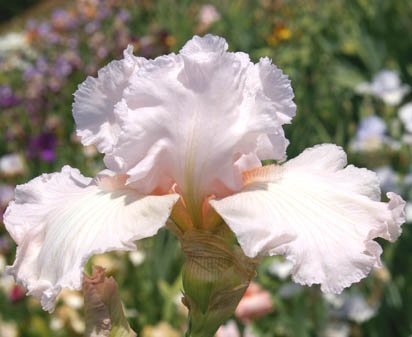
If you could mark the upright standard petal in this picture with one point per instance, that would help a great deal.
(93, 107)
(189, 118)
(59, 220)
(321, 215)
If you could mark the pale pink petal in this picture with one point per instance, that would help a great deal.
(255, 303)
(229, 329)
(322, 216)
(93, 107)
(189, 118)
(59, 220)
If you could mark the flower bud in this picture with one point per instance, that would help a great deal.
(216, 274)
(103, 307)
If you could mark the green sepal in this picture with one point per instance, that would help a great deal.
(216, 274)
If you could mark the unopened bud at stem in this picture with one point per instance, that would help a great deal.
(215, 276)
(103, 307)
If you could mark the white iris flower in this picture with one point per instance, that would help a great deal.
(386, 85)
(183, 136)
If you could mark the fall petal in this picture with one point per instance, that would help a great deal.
(59, 220)
(321, 215)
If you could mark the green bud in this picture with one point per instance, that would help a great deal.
(216, 274)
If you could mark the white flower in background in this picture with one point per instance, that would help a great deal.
(188, 132)
(12, 164)
(12, 42)
(335, 300)
(248, 332)
(90, 151)
(408, 211)
(15, 50)
(358, 309)
(385, 85)
(72, 299)
(6, 281)
(405, 115)
(407, 180)
(388, 179)
(56, 323)
(352, 306)
(8, 329)
(2, 264)
(162, 329)
(281, 269)
(337, 330)
(208, 14)
(229, 329)
(370, 135)
(289, 290)
(6, 194)
(137, 257)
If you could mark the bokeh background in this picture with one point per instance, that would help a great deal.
(350, 63)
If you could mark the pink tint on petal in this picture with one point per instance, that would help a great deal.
(256, 302)
(230, 329)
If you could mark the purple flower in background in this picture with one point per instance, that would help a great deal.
(372, 126)
(72, 42)
(6, 194)
(30, 72)
(102, 52)
(62, 67)
(31, 24)
(63, 20)
(43, 147)
(102, 11)
(33, 105)
(123, 15)
(44, 29)
(92, 27)
(4, 244)
(370, 135)
(46, 33)
(41, 64)
(7, 97)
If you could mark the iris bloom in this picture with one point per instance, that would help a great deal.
(183, 137)
(386, 85)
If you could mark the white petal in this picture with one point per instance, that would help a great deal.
(386, 85)
(405, 115)
(59, 220)
(12, 164)
(321, 216)
(93, 107)
(188, 118)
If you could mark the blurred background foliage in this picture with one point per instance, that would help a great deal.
(350, 63)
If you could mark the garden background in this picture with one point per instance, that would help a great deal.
(350, 63)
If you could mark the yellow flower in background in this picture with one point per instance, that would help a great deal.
(279, 33)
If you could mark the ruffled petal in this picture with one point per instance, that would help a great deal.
(189, 118)
(94, 101)
(322, 216)
(59, 220)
